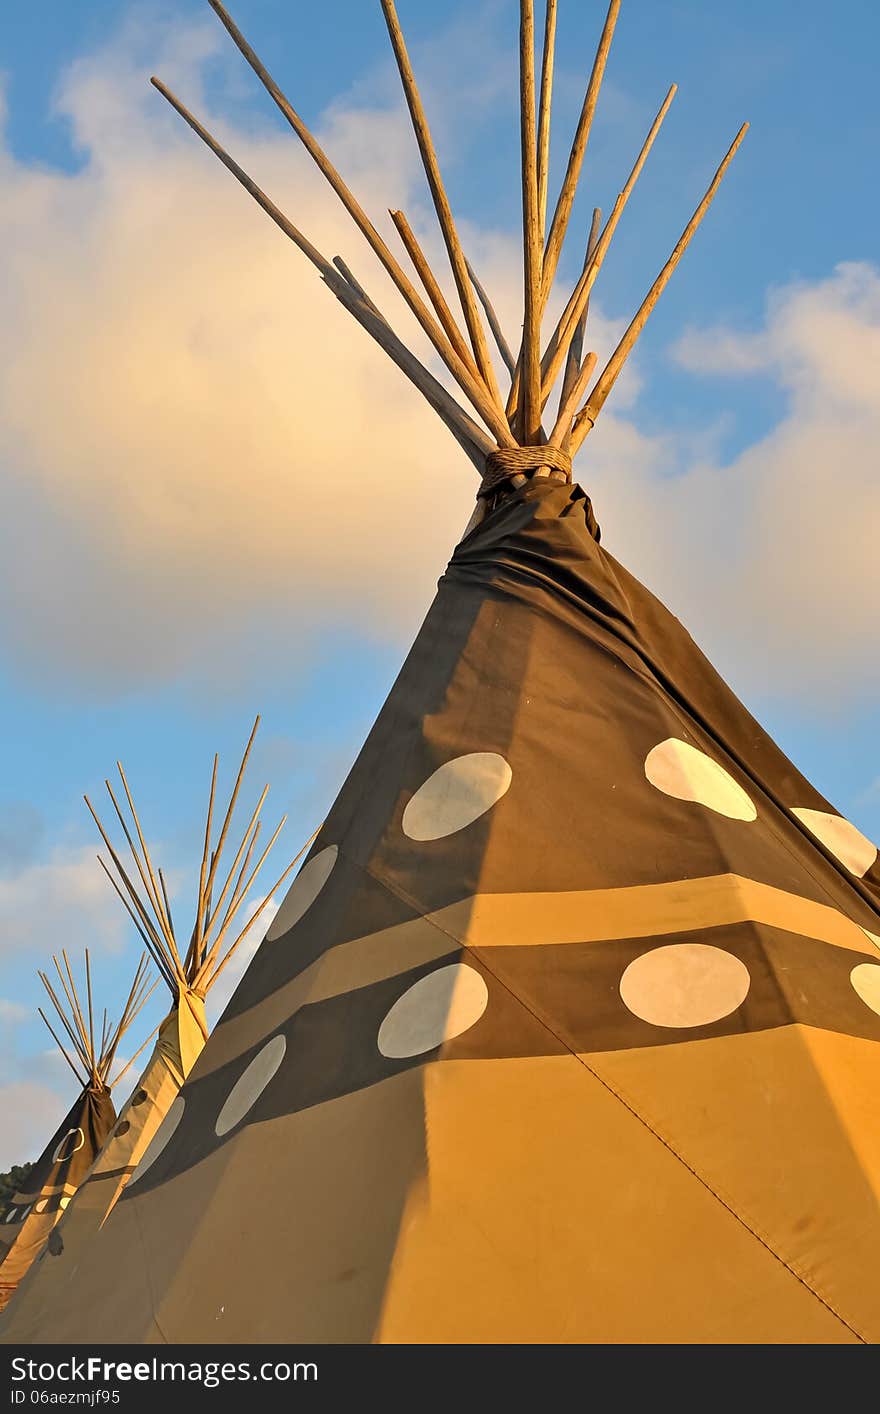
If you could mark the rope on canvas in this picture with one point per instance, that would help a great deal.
(506, 462)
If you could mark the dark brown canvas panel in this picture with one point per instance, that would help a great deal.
(51, 1184)
(514, 1060)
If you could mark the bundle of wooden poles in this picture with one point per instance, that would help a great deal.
(517, 420)
(92, 1063)
(221, 902)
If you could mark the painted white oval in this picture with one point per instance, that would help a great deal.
(854, 850)
(865, 981)
(303, 891)
(433, 1010)
(161, 1138)
(683, 771)
(457, 793)
(41, 1206)
(77, 1140)
(684, 984)
(250, 1085)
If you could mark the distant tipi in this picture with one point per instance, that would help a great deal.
(569, 1028)
(55, 1178)
(222, 921)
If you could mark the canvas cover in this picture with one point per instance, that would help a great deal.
(51, 1184)
(48, 1284)
(566, 1031)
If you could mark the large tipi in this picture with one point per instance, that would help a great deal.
(568, 1028)
(52, 1183)
(189, 968)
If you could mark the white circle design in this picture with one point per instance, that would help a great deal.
(161, 1138)
(62, 1152)
(865, 981)
(854, 850)
(250, 1085)
(686, 773)
(457, 793)
(684, 984)
(63, 1202)
(438, 1007)
(41, 1206)
(303, 891)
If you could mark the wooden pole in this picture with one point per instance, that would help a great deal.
(156, 955)
(149, 925)
(89, 996)
(75, 1040)
(129, 1063)
(469, 435)
(435, 294)
(278, 882)
(168, 943)
(493, 321)
(224, 830)
(206, 849)
(565, 201)
(544, 114)
(355, 284)
(167, 903)
(568, 404)
(157, 897)
(441, 204)
(250, 923)
(530, 408)
(477, 392)
(611, 371)
(237, 895)
(212, 952)
(135, 1003)
(557, 348)
(235, 863)
(576, 347)
(80, 1078)
(80, 1020)
(406, 361)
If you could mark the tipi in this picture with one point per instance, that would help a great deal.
(569, 1028)
(54, 1179)
(189, 971)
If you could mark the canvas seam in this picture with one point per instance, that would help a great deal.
(667, 1144)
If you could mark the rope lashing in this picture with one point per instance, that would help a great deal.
(506, 462)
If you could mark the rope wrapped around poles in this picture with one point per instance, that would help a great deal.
(507, 462)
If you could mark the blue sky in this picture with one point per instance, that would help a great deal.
(173, 643)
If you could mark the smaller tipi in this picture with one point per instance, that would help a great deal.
(189, 970)
(67, 1158)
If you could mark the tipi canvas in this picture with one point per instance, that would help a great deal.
(52, 1183)
(223, 919)
(569, 1028)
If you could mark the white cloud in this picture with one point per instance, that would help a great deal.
(194, 428)
(11, 1013)
(64, 901)
(201, 447)
(770, 559)
(196, 431)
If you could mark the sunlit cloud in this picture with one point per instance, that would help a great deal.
(203, 452)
